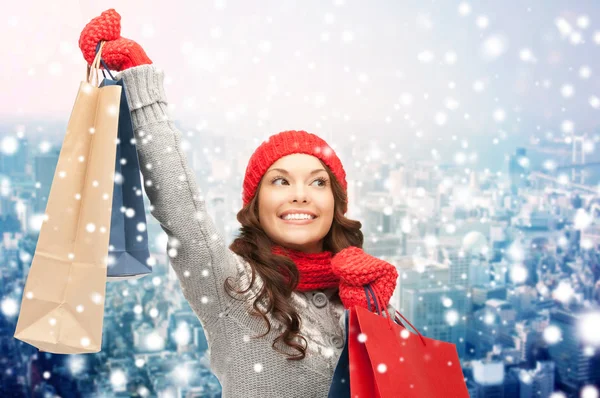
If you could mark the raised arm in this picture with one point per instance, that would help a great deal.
(197, 251)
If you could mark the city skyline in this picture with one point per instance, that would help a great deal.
(460, 242)
(468, 132)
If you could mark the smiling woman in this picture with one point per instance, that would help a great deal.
(297, 262)
(296, 210)
(293, 223)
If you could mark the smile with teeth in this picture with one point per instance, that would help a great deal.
(298, 217)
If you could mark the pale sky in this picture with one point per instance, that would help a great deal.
(407, 69)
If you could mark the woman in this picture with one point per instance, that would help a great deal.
(272, 303)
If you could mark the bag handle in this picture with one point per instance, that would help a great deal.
(371, 289)
(103, 63)
(368, 293)
(94, 66)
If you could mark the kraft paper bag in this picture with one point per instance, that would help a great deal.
(62, 308)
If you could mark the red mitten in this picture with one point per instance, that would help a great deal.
(356, 269)
(118, 52)
(106, 27)
(124, 53)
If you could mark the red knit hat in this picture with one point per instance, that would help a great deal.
(287, 143)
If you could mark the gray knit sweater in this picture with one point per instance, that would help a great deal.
(202, 261)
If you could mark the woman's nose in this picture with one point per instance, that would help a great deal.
(300, 194)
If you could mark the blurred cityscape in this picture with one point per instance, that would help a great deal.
(503, 264)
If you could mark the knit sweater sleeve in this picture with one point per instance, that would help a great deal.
(196, 249)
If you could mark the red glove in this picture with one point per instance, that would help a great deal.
(356, 269)
(118, 52)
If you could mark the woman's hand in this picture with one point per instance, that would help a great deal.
(357, 268)
(118, 52)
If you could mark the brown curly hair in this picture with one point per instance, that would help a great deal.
(254, 246)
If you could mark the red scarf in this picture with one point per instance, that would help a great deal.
(349, 270)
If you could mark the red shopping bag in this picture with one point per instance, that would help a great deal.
(388, 361)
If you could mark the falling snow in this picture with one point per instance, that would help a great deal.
(456, 114)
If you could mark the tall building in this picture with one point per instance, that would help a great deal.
(524, 298)
(526, 339)
(512, 382)
(397, 185)
(15, 164)
(538, 382)
(437, 313)
(7, 206)
(480, 294)
(468, 269)
(383, 246)
(182, 332)
(379, 214)
(490, 326)
(147, 339)
(384, 173)
(421, 174)
(574, 368)
(417, 273)
(488, 375)
(458, 267)
(354, 197)
(518, 170)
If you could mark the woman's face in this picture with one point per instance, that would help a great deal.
(290, 185)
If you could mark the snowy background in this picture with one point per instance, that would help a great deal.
(461, 83)
(429, 75)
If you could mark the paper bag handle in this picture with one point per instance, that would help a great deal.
(103, 63)
(95, 65)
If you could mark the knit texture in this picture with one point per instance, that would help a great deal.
(350, 269)
(314, 268)
(119, 53)
(288, 143)
(105, 27)
(202, 261)
(356, 269)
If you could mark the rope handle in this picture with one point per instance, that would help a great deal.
(104, 64)
(370, 289)
(94, 66)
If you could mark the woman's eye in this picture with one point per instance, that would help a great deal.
(321, 180)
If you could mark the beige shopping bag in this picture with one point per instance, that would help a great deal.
(62, 308)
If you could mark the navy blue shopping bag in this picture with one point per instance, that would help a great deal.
(340, 384)
(128, 244)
